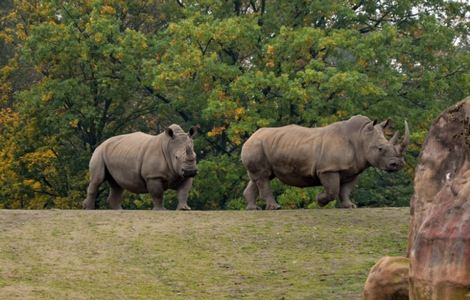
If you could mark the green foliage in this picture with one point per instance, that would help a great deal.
(236, 204)
(296, 198)
(395, 189)
(220, 180)
(74, 73)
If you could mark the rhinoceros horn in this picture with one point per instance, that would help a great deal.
(394, 138)
(406, 138)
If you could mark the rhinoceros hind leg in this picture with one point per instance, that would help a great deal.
(267, 194)
(115, 196)
(330, 182)
(97, 174)
(251, 193)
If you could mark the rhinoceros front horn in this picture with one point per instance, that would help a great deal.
(406, 138)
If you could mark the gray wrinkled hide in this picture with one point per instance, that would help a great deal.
(332, 156)
(143, 163)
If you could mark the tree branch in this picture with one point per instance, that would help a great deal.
(377, 23)
(180, 3)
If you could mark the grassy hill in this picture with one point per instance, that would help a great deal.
(287, 254)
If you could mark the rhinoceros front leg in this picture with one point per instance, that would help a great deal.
(345, 191)
(182, 194)
(266, 193)
(330, 182)
(155, 188)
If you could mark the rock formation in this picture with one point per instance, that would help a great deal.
(388, 279)
(439, 237)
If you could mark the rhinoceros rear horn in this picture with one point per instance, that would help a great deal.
(394, 139)
(406, 139)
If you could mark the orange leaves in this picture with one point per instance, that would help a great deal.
(8, 118)
(216, 131)
(5, 91)
(235, 135)
(221, 95)
(74, 123)
(107, 10)
(7, 38)
(239, 112)
(270, 50)
(342, 114)
(270, 63)
(46, 97)
(34, 184)
(270, 54)
(20, 29)
(39, 157)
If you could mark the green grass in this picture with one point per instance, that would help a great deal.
(287, 254)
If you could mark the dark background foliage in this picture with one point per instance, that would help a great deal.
(73, 73)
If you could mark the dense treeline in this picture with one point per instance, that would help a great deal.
(73, 73)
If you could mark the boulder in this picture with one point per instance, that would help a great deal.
(439, 238)
(388, 279)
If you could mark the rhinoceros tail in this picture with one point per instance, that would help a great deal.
(97, 176)
(254, 158)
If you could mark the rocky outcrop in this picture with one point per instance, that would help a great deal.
(388, 279)
(439, 238)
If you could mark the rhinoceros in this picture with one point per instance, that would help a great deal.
(144, 163)
(332, 156)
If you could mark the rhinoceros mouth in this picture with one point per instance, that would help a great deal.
(392, 169)
(190, 173)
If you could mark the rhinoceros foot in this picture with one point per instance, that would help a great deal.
(322, 199)
(159, 208)
(253, 207)
(87, 204)
(272, 206)
(183, 207)
(347, 205)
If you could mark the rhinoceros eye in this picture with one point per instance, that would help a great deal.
(380, 148)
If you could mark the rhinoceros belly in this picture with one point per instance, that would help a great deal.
(123, 158)
(293, 178)
(127, 179)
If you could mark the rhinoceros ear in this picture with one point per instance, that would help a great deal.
(385, 124)
(370, 125)
(169, 132)
(193, 131)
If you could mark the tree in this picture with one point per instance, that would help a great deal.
(97, 68)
